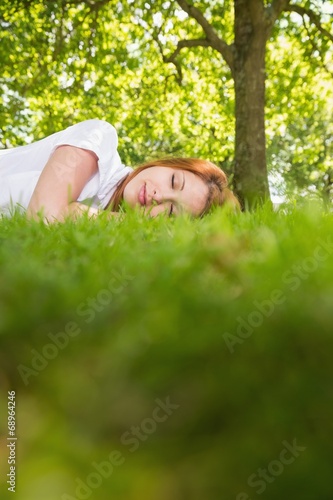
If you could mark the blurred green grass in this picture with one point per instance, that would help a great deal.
(152, 303)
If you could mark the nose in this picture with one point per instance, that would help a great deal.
(157, 197)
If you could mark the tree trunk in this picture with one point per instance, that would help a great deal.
(250, 172)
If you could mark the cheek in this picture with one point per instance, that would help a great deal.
(198, 202)
(132, 189)
(157, 210)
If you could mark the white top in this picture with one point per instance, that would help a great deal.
(21, 167)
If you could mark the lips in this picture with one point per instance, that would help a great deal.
(142, 195)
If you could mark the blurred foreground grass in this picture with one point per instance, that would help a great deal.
(169, 359)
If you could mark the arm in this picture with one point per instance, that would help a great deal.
(63, 178)
(76, 209)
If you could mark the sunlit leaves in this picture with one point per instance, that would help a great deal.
(299, 106)
(66, 61)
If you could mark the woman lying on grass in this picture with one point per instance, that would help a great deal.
(79, 170)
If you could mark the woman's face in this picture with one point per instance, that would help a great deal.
(167, 190)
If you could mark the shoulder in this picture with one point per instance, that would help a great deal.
(94, 122)
(90, 134)
(94, 125)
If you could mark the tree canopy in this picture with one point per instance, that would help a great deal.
(136, 65)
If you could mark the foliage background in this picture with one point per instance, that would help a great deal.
(66, 61)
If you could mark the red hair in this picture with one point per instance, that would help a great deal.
(218, 192)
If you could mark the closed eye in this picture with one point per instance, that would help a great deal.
(173, 181)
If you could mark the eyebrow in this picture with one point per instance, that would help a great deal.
(183, 182)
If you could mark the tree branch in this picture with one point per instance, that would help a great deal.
(181, 45)
(198, 42)
(274, 11)
(214, 40)
(314, 18)
(316, 48)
